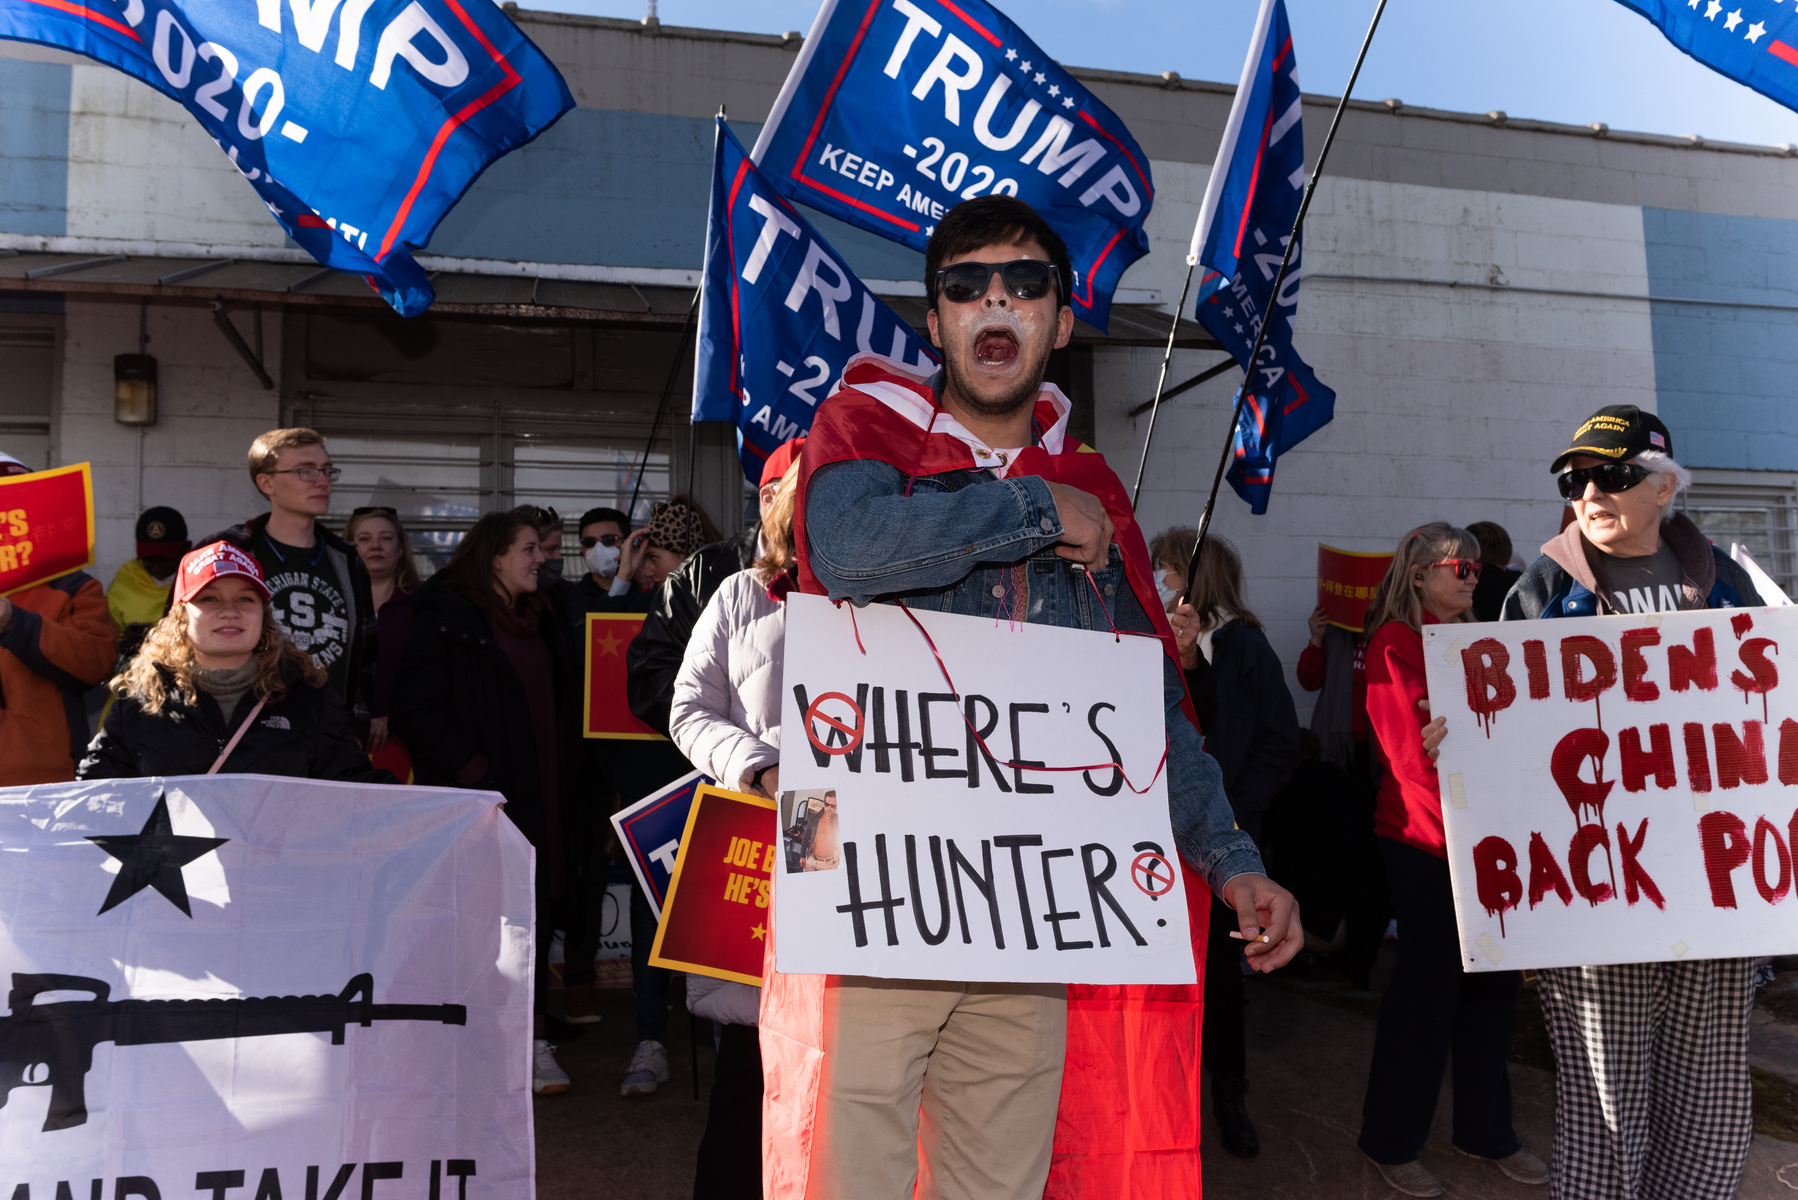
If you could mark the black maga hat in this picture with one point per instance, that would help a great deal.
(161, 531)
(1617, 433)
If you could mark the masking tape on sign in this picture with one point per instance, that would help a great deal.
(1679, 949)
(1454, 651)
(1490, 948)
(1457, 792)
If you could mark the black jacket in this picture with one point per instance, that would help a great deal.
(305, 736)
(1255, 737)
(1490, 592)
(654, 657)
(458, 701)
(365, 638)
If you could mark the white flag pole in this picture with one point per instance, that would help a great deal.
(1292, 242)
(1213, 189)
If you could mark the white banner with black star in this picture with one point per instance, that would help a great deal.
(263, 989)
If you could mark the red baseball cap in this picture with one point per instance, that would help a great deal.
(781, 460)
(200, 567)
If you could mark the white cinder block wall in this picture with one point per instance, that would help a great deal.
(211, 407)
(1450, 402)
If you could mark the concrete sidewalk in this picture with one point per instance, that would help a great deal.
(1308, 1056)
(1308, 1047)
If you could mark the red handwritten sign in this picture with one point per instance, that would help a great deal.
(1619, 788)
(606, 713)
(716, 918)
(46, 526)
(1346, 580)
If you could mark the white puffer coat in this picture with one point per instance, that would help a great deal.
(725, 716)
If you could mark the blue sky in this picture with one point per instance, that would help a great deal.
(1557, 60)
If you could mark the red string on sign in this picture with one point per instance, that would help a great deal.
(955, 693)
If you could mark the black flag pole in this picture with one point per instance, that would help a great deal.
(1167, 357)
(662, 408)
(1242, 395)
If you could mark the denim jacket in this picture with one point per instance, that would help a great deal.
(960, 535)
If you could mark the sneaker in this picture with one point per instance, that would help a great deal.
(649, 1066)
(1412, 1178)
(577, 1004)
(547, 1079)
(1522, 1166)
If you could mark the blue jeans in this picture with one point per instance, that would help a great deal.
(959, 536)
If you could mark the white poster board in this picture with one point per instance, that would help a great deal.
(1013, 875)
(288, 987)
(1619, 789)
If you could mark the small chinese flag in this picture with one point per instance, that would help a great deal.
(608, 713)
(1346, 582)
(716, 918)
(46, 526)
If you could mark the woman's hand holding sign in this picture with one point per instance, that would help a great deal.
(1269, 920)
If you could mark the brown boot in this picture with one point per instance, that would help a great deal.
(577, 1003)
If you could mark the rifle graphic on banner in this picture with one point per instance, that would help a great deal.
(53, 1044)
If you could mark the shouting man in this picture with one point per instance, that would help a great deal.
(962, 492)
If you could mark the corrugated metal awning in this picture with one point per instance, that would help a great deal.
(506, 297)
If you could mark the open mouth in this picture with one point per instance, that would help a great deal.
(995, 347)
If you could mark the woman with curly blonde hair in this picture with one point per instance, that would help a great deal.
(217, 683)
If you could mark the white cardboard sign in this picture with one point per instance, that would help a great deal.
(1619, 789)
(895, 863)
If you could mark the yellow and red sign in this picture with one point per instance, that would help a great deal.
(606, 713)
(716, 918)
(1346, 582)
(46, 526)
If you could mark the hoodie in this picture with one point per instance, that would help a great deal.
(1562, 582)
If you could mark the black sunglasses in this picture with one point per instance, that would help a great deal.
(966, 282)
(604, 539)
(1611, 478)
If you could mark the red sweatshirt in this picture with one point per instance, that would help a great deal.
(1409, 808)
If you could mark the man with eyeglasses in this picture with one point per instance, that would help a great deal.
(319, 588)
(1652, 1092)
(961, 491)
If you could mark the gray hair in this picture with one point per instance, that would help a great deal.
(1659, 463)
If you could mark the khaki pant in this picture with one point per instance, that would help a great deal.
(952, 1085)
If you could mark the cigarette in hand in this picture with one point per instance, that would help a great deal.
(1241, 937)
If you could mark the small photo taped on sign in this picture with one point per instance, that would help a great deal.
(808, 821)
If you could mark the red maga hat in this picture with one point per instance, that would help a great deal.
(781, 460)
(200, 567)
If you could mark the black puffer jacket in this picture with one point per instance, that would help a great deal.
(305, 735)
(654, 657)
(462, 712)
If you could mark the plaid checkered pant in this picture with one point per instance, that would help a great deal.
(1652, 1095)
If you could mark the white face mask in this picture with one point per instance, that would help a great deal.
(1166, 593)
(601, 559)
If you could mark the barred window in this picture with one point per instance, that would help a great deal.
(1761, 517)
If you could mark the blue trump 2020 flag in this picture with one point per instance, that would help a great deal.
(1754, 42)
(779, 313)
(1250, 204)
(358, 122)
(897, 110)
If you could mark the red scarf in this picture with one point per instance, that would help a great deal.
(1128, 1123)
(886, 413)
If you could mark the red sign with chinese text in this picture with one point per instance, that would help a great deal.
(46, 526)
(716, 918)
(1346, 580)
(606, 712)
